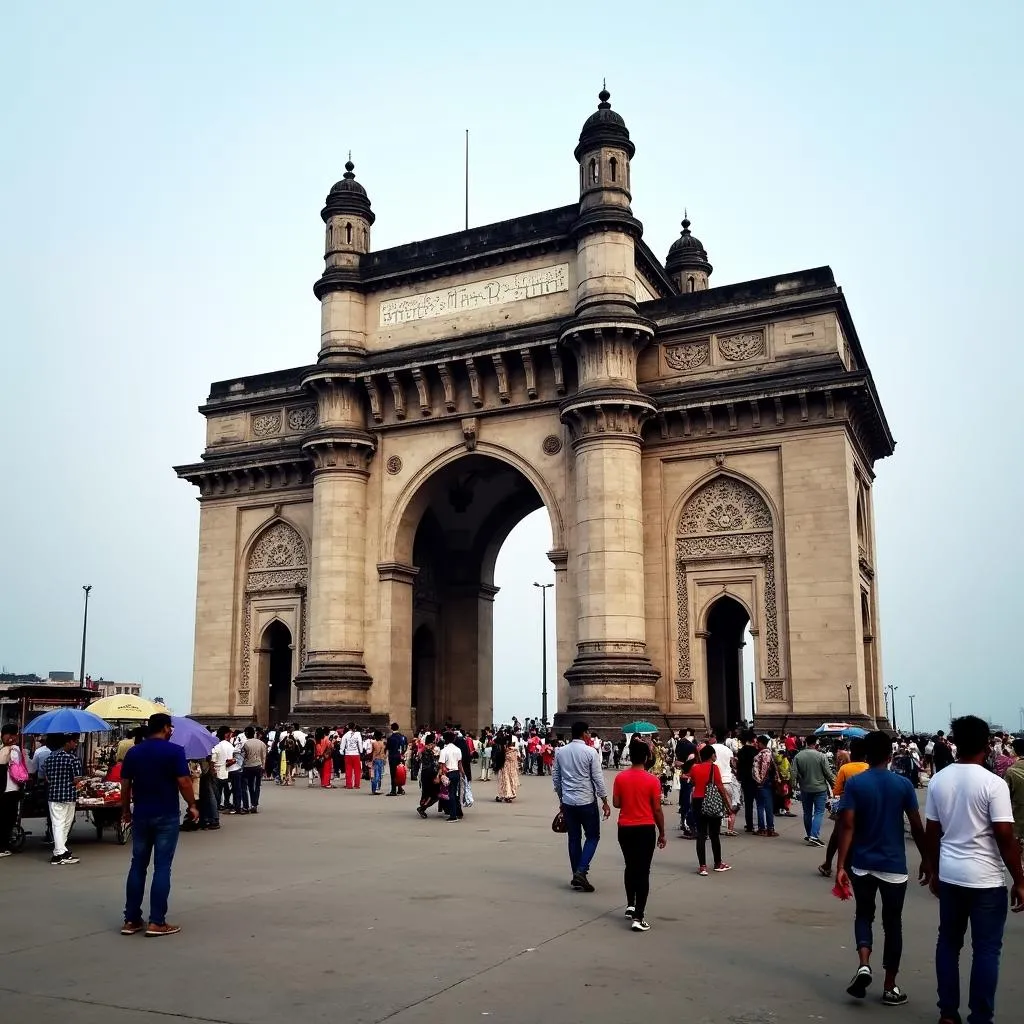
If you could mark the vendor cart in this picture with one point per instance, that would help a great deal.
(99, 802)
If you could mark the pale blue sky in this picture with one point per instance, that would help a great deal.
(163, 169)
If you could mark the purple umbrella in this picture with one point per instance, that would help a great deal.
(197, 740)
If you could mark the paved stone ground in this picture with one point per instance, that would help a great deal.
(342, 907)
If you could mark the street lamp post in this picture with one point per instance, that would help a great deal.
(849, 699)
(913, 725)
(85, 627)
(544, 587)
(892, 690)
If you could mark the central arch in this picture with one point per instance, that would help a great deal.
(727, 620)
(453, 527)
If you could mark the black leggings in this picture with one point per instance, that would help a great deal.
(637, 843)
(707, 827)
(8, 816)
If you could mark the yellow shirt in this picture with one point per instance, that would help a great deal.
(847, 772)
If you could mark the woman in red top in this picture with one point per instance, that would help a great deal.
(703, 775)
(637, 794)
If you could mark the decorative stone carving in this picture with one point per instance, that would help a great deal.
(684, 692)
(278, 562)
(774, 690)
(552, 444)
(244, 698)
(725, 518)
(266, 424)
(302, 418)
(470, 429)
(741, 346)
(394, 465)
(687, 356)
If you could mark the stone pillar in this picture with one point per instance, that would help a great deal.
(334, 681)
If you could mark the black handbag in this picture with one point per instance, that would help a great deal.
(712, 806)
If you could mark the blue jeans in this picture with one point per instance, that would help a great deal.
(893, 895)
(985, 910)
(156, 838)
(454, 799)
(253, 778)
(378, 774)
(814, 812)
(239, 794)
(765, 797)
(582, 819)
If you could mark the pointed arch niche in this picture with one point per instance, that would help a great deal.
(276, 578)
(726, 545)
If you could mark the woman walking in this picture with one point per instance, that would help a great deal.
(508, 777)
(324, 757)
(706, 777)
(13, 769)
(637, 795)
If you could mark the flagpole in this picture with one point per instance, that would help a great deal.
(467, 179)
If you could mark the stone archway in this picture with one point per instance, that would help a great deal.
(725, 545)
(275, 673)
(277, 575)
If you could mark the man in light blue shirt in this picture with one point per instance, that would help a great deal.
(579, 784)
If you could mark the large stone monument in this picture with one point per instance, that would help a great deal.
(705, 456)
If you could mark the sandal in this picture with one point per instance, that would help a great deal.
(730, 832)
(824, 871)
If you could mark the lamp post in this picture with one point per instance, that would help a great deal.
(913, 726)
(544, 587)
(892, 690)
(849, 699)
(85, 627)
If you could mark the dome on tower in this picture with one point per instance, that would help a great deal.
(348, 196)
(604, 127)
(687, 252)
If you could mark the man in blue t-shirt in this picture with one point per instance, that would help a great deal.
(153, 775)
(873, 860)
(397, 745)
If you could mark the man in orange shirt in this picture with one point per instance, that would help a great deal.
(854, 766)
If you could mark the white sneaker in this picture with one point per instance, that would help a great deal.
(630, 911)
(5, 853)
(640, 925)
(68, 859)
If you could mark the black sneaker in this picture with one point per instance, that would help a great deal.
(894, 996)
(859, 986)
(640, 925)
(56, 861)
(581, 883)
(422, 813)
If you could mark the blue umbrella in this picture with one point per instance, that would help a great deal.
(840, 729)
(197, 740)
(67, 720)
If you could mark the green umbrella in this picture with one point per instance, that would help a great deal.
(641, 727)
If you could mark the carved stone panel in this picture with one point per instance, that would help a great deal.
(266, 424)
(687, 356)
(736, 347)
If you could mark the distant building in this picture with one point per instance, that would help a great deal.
(61, 677)
(107, 688)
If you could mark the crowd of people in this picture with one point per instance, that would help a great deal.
(973, 825)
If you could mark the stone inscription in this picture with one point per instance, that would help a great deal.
(531, 284)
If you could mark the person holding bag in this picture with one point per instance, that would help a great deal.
(710, 800)
(13, 776)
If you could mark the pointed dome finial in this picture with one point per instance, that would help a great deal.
(604, 96)
(349, 167)
(686, 222)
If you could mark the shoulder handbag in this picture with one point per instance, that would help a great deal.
(17, 770)
(713, 806)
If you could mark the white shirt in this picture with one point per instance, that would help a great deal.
(965, 799)
(236, 745)
(220, 755)
(723, 758)
(352, 743)
(451, 757)
(300, 736)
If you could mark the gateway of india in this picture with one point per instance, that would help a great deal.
(704, 455)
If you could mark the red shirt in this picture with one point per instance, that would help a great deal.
(700, 774)
(638, 794)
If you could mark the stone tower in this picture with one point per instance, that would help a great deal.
(611, 672)
(340, 447)
(687, 263)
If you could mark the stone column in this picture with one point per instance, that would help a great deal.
(611, 678)
(334, 680)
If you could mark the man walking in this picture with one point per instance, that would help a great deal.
(153, 776)
(970, 838)
(352, 752)
(579, 783)
(745, 757)
(873, 860)
(813, 774)
(62, 770)
(450, 760)
(397, 746)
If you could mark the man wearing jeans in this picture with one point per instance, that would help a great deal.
(970, 838)
(578, 781)
(873, 860)
(811, 772)
(153, 776)
(254, 757)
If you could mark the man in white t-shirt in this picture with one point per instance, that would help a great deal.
(450, 760)
(223, 758)
(352, 751)
(970, 838)
(724, 759)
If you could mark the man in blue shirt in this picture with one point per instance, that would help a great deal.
(873, 860)
(153, 776)
(397, 745)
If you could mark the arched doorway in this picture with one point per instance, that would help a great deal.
(726, 622)
(462, 515)
(275, 670)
